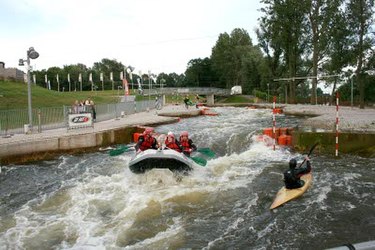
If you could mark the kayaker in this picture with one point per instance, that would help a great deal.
(172, 143)
(146, 141)
(292, 175)
(186, 143)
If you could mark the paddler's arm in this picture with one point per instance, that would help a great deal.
(140, 141)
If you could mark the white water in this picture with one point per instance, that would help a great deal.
(100, 204)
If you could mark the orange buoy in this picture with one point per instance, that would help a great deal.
(267, 131)
(282, 140)
(277, 111)
(136, 136)
(283, 131)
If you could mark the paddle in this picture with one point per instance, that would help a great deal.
(206, 151)
(199, 161)
(311, 150)
(119, 150)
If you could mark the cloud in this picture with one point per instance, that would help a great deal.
(161, 36)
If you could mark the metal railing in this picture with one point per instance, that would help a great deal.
(15, 121)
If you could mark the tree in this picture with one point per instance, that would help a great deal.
(320, 15)
(199, 73)
(360, 17)
(235, 60)
(288, 35)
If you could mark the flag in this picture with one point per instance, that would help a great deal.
(101, 76)
(139, 84)
(111, 76)
(57, 77)
(90, 77)
(125, 86)
(80, 77)
(121, 75)
(45, 79)
(34, 79)
(68, 78)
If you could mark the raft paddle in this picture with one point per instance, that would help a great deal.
(119, 150)
(206, 151)
(199, 161)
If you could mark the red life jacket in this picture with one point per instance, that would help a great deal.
(172, 145)
(185, 144)
(147, 143)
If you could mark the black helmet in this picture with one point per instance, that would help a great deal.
(293, 163)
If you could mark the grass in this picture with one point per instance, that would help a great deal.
(13, 95)
(237, 99)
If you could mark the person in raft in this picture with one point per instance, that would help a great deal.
(146, 141)
(172, 143)
(292, 175)
(186, 143)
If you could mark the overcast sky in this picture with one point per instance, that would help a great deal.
(156, 35)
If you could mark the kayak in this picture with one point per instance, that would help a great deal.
(284, 195)
(167, 158)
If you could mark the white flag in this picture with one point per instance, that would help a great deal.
(121, 75)
(90, 77)
(80, 77)
(45, 79)
(68, 78)
(57, 77)
(111, 76)
(34, 79)
(101, 76)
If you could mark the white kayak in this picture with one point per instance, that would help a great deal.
(167, 158)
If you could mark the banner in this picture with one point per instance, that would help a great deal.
(68, 78)
(57, 78)
(111, 76)
(101, 76)
(80, 120)
(46, 81)
(80, 77)
(121, 75)
(90, 77)
(34, 79)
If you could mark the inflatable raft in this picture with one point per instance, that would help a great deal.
(166, 158)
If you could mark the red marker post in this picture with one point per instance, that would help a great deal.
(274, 123)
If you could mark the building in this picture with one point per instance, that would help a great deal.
(11, 73)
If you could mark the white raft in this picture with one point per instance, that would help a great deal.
(167, 158)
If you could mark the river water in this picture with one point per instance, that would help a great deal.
(93, 201)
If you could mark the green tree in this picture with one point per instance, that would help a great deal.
(359, 14)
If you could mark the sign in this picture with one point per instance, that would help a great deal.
(80, 120)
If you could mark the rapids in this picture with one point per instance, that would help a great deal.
(94, 201)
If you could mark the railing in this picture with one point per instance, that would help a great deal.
(14, 121)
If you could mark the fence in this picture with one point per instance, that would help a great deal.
(14, 121)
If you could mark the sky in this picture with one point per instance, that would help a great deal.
(150, 35)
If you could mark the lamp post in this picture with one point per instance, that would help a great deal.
(351, 92)
(118, 92)
(31, 54)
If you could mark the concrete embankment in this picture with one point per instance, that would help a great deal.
(22, 148)
(356, 127)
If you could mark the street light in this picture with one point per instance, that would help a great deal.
(31, 53)
(118, 92)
